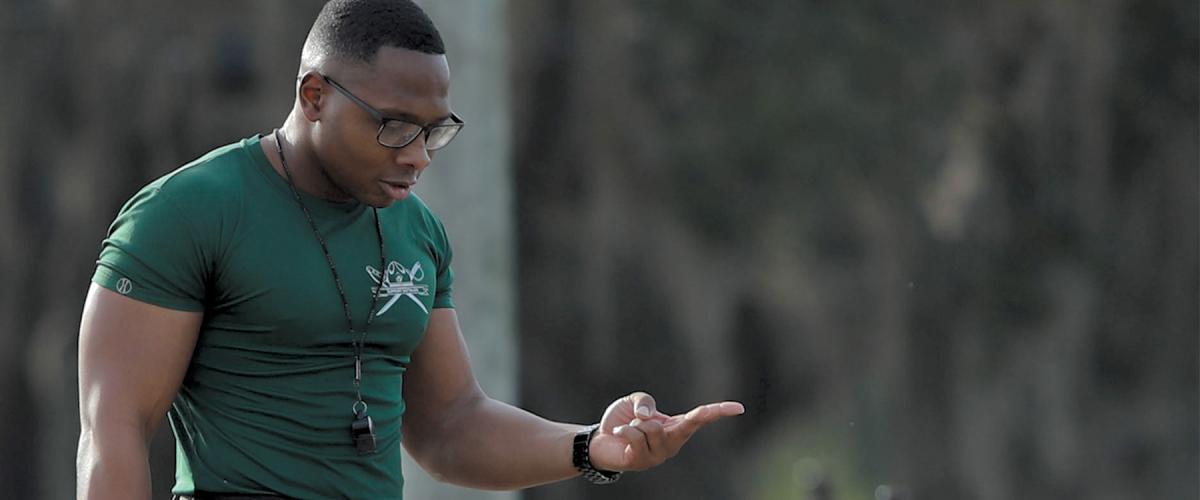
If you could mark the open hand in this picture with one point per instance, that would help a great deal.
(634, 435)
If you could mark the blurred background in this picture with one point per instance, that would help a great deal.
(941, 250)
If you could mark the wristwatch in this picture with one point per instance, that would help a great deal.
(582, 459)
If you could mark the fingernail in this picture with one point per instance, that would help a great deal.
(643, 411)
(635, 422)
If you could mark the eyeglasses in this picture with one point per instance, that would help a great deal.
(396, 133)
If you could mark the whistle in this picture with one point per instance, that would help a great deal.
(363, 432)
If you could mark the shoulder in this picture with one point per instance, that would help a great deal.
(204, 198)
(208, 181)
(171, 236)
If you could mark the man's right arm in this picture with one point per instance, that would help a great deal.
(132, 358)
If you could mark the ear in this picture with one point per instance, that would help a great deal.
(311, 95)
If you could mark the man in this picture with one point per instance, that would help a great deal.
(288, 300)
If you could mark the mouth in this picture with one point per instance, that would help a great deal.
(397, 190)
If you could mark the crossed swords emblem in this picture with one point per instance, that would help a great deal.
(399, 282)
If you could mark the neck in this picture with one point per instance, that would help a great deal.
(307, 174)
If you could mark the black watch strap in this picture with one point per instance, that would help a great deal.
(582, 459)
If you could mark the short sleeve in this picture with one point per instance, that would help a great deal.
(445, 274)
(154, 255)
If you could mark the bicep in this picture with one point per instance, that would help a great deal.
(439, 379)
(132, 358)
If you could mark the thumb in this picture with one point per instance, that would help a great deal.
(644, 406)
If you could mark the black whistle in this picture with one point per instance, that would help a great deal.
(363, 432)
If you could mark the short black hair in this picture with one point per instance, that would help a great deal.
(354, 30)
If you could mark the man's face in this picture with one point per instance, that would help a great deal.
(402, 84)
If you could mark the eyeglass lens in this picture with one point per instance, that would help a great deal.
(399, 134)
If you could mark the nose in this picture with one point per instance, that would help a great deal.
(414, 154)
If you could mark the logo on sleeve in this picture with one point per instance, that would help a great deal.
(124, 286)
(398, 282)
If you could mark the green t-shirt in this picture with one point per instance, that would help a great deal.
(265, 406)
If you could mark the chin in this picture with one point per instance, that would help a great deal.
(383, 202)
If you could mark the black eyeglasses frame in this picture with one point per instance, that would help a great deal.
(457, 123)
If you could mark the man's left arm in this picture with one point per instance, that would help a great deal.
(460, 435)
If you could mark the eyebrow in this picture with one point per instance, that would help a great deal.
(395, 114)
(385, 113)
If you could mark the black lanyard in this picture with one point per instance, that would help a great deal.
(362, 430)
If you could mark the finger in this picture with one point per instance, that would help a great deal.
(703, 415)
(644, 406)
(608, 452)
(638, 450)
(635, 435)
(730, 408)
(713, 411)
(656, 439)
(620, 412)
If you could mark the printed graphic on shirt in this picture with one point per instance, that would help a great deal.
(399, 281)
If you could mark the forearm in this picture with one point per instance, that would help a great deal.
(112, 463)
(489, 444)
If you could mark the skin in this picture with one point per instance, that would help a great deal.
(451, 427)
(330, 142)
(121, 404)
